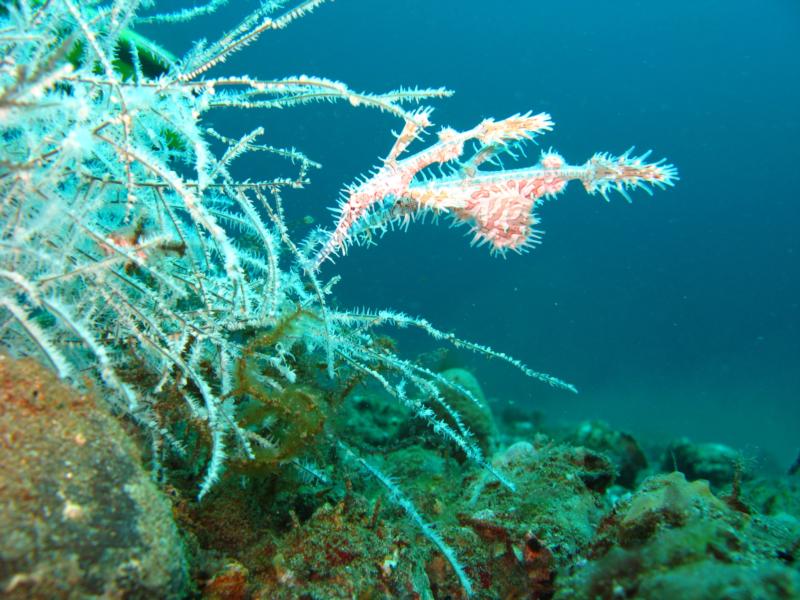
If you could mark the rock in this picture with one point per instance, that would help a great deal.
(230, 583)
(79, 516)
(476, 416)
(521, 452)
(716, 463)
(675, 539)
(343, 551)
(620, 447)
(594, 469)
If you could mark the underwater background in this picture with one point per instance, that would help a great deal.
(206, 424)
(676, 315)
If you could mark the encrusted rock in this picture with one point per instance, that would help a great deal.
(621, 448)
(716, 463)
(79, 516)
(675, 539)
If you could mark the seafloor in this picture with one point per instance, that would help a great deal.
(596, 512)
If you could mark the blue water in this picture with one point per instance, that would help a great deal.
(676, 315)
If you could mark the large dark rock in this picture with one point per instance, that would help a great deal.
(79, 517)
